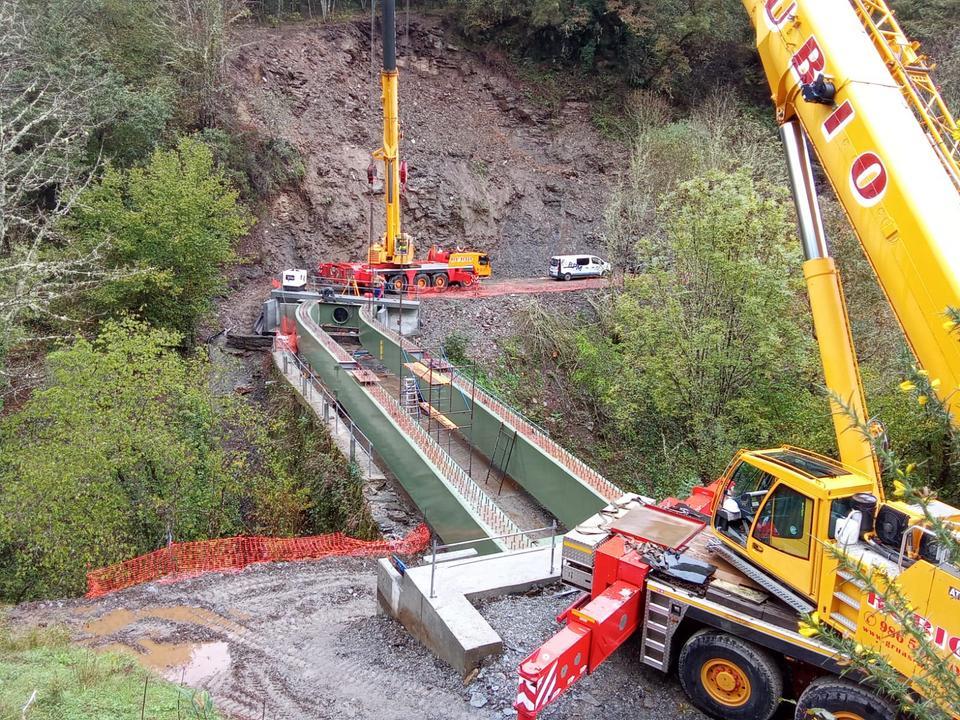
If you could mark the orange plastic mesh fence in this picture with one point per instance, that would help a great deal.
(193, 558)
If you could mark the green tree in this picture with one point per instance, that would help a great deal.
(708, 349)
(122, 451)
(679, 48)
(176, 219)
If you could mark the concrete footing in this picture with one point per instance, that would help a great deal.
(447, 622)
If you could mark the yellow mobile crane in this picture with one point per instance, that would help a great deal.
(715, 585)
(391, 260)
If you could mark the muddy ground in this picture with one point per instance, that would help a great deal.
(303, 641)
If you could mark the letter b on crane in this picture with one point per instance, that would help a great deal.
(808, 61)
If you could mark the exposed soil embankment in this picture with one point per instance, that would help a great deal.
(489, 166)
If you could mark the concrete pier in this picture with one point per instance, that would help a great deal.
(448, 623)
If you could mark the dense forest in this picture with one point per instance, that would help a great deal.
(128, 181)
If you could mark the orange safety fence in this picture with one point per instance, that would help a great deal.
(189, 559)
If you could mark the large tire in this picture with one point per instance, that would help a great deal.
(844, 700)
(397, 283)
(567, 276)
(421, 281)
(440, 281)
(729, 678)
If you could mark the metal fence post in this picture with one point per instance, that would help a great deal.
(353, 444)
(286, 363)
(553, 542)
(433, 566)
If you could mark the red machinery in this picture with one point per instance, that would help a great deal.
(601, 621)
(440, 270)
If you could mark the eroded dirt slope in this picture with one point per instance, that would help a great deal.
(489, 166)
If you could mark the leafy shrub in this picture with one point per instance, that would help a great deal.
(171, 225)
(258, 166)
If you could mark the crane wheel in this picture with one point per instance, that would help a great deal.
(844, 700)
(440, 281)
(397, 283)
(467, 281)
(729, 678)
(421, 281)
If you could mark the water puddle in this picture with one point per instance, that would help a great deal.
(188, 664)
(118, 620)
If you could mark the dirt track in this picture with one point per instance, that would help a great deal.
(302, 641)
(517, 286)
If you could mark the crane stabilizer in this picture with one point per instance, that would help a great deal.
(601, 621)
(592, 633)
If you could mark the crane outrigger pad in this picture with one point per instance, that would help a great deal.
(649, 523)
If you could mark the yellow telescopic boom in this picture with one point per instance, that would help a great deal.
(395, 247)
(888, 170)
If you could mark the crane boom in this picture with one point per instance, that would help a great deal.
(394, 247)
(889, 171)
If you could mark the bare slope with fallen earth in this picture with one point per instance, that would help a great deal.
(491, 166)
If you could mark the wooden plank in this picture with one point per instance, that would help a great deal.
(434, 377)
(365, 377)
(438, 416)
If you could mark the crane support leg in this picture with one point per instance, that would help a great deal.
(591, 635)
(831, 323)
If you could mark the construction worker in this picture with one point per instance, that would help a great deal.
(378, 286)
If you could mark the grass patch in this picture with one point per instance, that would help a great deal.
(73, 683)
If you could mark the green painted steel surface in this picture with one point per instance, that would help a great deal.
(439, 504)
(335, 314)
(554, 486)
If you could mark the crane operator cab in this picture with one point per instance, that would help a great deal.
(792, 513)
(770, 506)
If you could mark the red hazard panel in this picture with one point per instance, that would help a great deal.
(551, 669)
(594, 631)
(613, 616)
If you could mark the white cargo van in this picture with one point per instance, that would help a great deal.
(568, 267)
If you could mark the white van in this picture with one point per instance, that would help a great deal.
(568, 267)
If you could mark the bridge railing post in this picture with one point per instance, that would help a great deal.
(553, 542)
(433, 566)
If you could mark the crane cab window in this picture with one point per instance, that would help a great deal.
(784, 522)
(748, 487)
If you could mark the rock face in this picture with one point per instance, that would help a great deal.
(489, 168)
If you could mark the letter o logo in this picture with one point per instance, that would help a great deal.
(868, 179)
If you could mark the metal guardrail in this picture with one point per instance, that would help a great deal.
(310, 383)
(524, 426)
(433, 557)
(471, 493)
